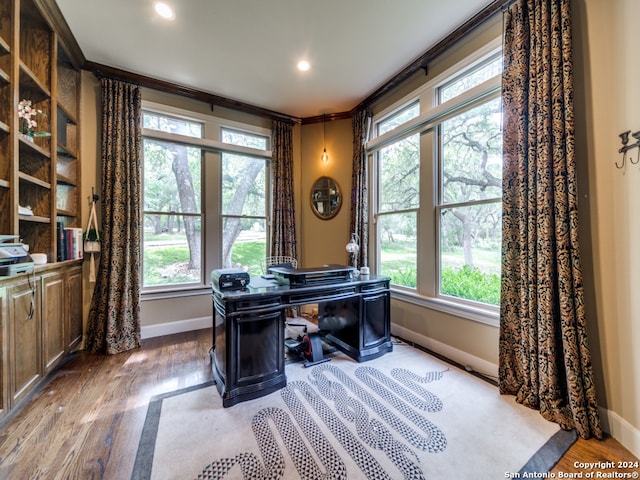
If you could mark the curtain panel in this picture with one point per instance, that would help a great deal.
(283, 221)
(114, 315)
(544, 357)
(359, 223)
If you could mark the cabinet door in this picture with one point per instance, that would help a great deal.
(73, 327)
(25, 363)
(375, 328)
(53, 316)
(4, 348)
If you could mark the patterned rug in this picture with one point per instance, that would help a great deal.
(404, 415)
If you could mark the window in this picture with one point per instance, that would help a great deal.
(172, 212)
(469, 206)
(437, 186)
(205, 197)
(244, 203)
(398, 201)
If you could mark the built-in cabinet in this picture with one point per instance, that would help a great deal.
(25, 337)
(40, 313)
(39, 166)
(41, 322)
(4, 335)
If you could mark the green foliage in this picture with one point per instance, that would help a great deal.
(406, 277)
(471, 283)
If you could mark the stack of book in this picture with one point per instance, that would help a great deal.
(69, 243)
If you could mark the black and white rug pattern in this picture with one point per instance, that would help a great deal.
(394, 417)
(338, 399)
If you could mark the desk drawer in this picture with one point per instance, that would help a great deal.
(257, 304)
(374, 287)
(322, 296)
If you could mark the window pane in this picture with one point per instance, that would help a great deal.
(399, 175)
(471, 79)
(472, 154)
(171, 250)
(244, 139)
(243, 185)
(164, 123)
(470, 245)
(398, 248)
(399, 118)
(171, 177)
(244, 244)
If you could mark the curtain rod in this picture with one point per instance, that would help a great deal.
(421, 62)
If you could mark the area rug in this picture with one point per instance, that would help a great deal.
(405, 415)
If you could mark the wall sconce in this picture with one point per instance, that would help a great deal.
(353, 248)
(324, 157)
(624, 138)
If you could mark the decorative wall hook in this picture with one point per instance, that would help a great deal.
(624, 138)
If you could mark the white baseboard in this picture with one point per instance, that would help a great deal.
(621, 430)
(463, 358)
(168, 328)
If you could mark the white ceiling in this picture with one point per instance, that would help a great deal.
(247, 50)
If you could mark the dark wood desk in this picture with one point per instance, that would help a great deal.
(248, 329)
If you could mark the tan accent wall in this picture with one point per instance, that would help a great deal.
(324, 241)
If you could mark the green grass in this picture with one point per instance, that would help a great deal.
(249, 254)
(160, 262)
(164, 265)
(458, 280)
(480, 283)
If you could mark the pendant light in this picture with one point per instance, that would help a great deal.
(325, 157)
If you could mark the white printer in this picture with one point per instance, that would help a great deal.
(14, 257)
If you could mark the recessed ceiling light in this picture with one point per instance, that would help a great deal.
(303, 65)
(164, 10)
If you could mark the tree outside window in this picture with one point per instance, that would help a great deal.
(460, 205)
(173, 234)
(244, 204)
(172, 215)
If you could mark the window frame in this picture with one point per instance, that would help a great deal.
(432, 114)
(212, 148)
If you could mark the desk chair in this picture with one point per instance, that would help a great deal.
(308, 345)
(279, 261)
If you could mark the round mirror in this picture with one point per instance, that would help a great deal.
(326, 198)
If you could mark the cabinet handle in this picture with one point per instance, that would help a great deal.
(32, 307)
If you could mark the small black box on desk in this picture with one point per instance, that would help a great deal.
(229, 279)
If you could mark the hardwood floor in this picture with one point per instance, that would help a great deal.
(86, 421)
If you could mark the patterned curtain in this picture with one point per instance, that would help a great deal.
(114, 315)
(544, 355)
(283, 238)
(360, 184)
